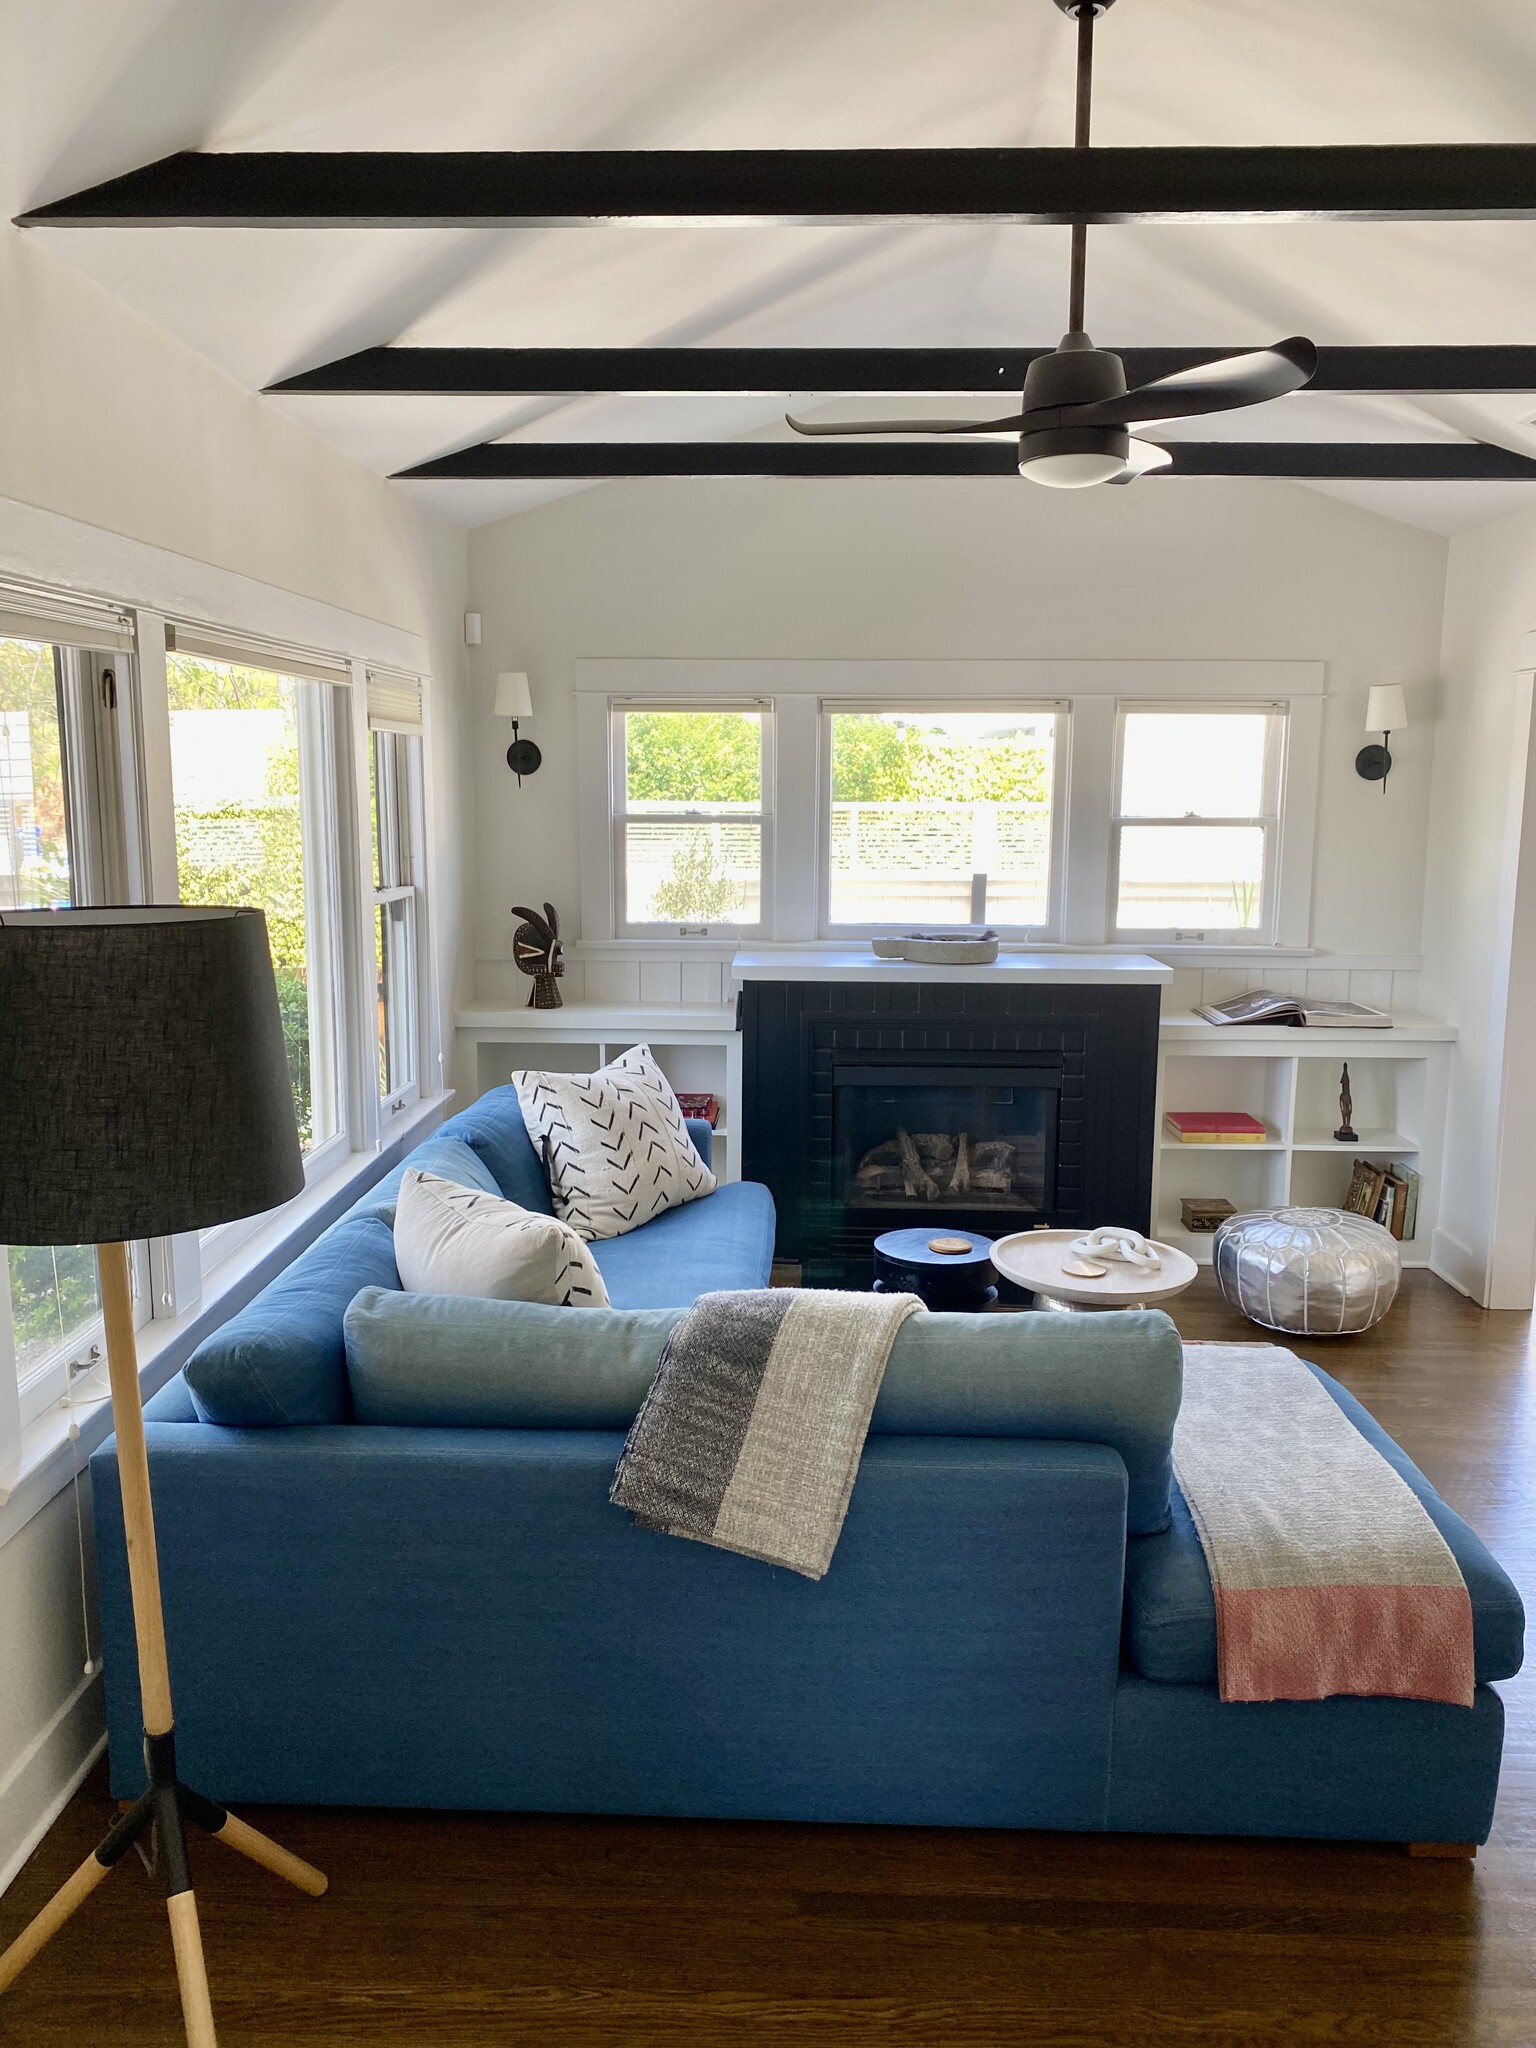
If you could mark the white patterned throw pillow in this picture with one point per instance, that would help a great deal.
(615, 1144)
(456, 1240)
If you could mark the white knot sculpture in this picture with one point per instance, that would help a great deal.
(1125, 1247)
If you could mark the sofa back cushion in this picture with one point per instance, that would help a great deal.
(448, 1157)
(436, 1361)
(282, 1359)
(493, 1127)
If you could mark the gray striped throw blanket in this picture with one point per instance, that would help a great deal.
(751, 1435)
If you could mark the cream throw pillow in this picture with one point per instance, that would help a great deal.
(454, 1240)
(615, 1144)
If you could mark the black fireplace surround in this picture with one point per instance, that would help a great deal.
(874, 1105)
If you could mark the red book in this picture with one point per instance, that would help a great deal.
(704, 1106)
(1216, 1127)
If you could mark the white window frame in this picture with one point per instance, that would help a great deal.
(1091, 690)
(96, 760)
(1061, 749)
(410, 810)
(1270, 821)
(618, 710)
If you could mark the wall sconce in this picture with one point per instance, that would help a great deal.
(1386, 713)
(515, 701)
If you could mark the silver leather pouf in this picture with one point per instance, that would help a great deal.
(1310, 1272)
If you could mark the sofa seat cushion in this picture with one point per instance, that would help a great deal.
(282, 1359)
(1170, 1610)
(720, 1241)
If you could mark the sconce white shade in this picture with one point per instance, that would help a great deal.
(513, 698)
(1385, 711)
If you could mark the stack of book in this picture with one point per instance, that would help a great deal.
(1389, 1195)
(1215, 1127)
(705, 1107)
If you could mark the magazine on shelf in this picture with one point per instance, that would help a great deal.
(1269, 1006)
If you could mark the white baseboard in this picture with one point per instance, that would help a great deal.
(49, 1772)
(1457, 1265)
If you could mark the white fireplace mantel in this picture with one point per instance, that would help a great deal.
(1011, 970)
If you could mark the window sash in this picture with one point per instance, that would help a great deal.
(1047, 928)
(396, 952)
(1268, 820)
(621, 817)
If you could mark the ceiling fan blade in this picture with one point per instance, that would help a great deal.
(1144, 456)
(1222, 386)
(1011, 425)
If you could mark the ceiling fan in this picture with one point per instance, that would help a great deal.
(1074, 429)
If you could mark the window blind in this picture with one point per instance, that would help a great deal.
(251, 650)
(394, 702)
(63, 618)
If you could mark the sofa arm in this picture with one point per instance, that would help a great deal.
(703, 1137)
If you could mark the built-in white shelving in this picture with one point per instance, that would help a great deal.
(1289, 1079)
(696, 1045)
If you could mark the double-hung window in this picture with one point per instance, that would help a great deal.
(941, 817)
(690, 817)
(254, 781)
(62, 843)
(395, 807)
(1196, 828)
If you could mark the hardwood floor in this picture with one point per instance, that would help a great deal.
(467, 1930)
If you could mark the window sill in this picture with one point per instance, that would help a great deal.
(47, 1456)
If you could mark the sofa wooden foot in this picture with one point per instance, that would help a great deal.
(1465, 1851)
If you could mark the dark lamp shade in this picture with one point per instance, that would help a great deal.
(143, 1083)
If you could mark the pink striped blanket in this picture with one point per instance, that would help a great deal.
(1329, 1575)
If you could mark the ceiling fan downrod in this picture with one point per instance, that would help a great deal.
(1084, 13)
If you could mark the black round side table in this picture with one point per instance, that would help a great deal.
(946, 1268)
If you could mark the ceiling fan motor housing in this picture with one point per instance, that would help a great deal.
(1076, 373)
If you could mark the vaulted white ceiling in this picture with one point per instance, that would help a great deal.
(97, 87)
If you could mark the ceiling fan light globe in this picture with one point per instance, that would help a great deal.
(1073, 458)
(1071, 472)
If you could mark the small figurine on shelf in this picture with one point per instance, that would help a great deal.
(1345, 1135)
(536, 949)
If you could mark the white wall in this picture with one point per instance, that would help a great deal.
(1480, 911)
(961, 568)
(130, 466)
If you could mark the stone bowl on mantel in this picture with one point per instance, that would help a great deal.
(938, 952)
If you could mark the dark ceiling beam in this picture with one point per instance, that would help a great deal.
(536, 188)
(1398, 461)
(782, 372)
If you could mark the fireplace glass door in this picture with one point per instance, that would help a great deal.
(911, 1139)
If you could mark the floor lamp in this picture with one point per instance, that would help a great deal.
(144, 1091)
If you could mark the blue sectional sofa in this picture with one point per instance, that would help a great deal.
(393, 1576)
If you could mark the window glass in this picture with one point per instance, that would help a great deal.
(1175, 877)
(1194, 823)
(923, 803)
(54, 1300)
(252, 828)
(692, 817)
(52, 1288)
(34, 830)
(1182, 764)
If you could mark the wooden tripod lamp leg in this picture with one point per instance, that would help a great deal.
(167, 1803)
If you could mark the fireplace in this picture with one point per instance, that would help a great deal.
(993, 1104)
(967, 1134)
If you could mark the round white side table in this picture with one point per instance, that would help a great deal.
(1034, 1258)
